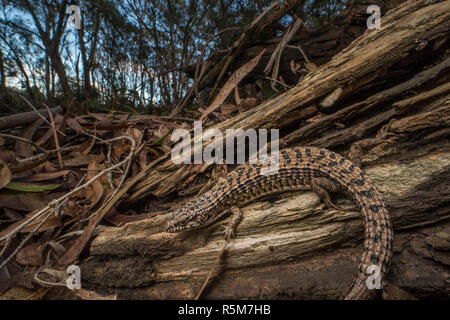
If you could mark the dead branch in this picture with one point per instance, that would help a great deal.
(24, 118)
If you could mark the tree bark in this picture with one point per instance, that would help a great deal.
(88, 58)
(2, 73)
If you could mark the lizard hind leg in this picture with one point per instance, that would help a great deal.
(321, 186)
(230, 229)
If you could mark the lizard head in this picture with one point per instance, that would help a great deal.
(193, 215)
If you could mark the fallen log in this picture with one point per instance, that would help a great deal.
(288, 247)
(24, 118)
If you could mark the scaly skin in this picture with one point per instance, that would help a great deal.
(301, 169)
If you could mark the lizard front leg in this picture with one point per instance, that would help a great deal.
(236, 217)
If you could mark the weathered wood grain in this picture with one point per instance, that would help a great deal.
(290, 237)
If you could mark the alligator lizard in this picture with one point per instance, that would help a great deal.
(300, 168)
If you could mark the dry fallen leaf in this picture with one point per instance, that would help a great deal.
(75, 125)
(135, 134)
(58, 119)
(51, 223)
(13, 215)
(24, 148)
(142, 158)
(83, 148)
(232, 82)
(95, 191)
(119, 149)
(47, 176)
(5, 174)
(22, 202)
(29, 256)
(82, 160)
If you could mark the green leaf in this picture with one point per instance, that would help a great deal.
(28, 187)
(161, 140)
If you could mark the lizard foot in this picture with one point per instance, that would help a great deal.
(231, 227)
(321, 186)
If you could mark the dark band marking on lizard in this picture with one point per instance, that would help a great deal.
(301, 169)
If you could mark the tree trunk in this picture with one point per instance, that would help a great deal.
(61, 72)
(2, 73)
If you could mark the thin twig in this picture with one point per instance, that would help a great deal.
(40, 115)
(24, 140)
(85, 185)
(20, 246)
(212, 270)
(298, 47)
(93, 137)
(109, 163)
(127, 160)
(5, 246)
(282, 83)
(274, 62)
(39, 156)
(55, 136)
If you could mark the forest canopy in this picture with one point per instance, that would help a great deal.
(129, 55)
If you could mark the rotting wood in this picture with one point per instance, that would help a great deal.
(402, 106)
(368, 104)
(291, 233)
